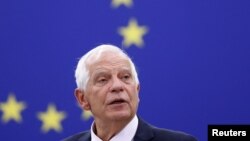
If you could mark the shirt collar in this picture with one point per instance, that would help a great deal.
(126, 134)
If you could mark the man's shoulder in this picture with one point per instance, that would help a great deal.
(173, 135)
(83, 136)
(145, 130)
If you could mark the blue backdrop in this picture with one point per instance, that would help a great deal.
(193, 60)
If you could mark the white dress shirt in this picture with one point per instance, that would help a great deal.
(126, 134)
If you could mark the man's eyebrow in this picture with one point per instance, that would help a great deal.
(99, 72)
(103, 71)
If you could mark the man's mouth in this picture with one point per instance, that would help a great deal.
(118, 101)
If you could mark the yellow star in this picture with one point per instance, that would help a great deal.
(132, 34)
(12, 109)
(117, 3)
(86, 115)
(51, 119)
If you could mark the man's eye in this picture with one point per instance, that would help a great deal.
(102, 80)
(126, 77)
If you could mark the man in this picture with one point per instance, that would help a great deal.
(108, 86)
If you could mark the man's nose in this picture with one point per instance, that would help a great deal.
(116, 85)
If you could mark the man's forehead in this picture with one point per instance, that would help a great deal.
(107, 61)
(105, 66)
(108, 70)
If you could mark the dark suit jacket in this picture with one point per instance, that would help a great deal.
(145, 132)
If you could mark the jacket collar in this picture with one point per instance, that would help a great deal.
(85, 137)
(144, 131)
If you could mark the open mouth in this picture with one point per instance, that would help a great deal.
(118, 101)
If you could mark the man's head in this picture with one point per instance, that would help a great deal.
(107, 84)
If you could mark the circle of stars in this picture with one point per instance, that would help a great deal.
(52, 118)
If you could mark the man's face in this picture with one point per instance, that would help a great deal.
(111, 92)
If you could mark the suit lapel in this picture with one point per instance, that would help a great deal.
(85, 137)
(144, 132)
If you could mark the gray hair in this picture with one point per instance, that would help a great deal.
(82, 71)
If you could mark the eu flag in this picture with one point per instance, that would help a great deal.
(192, 57)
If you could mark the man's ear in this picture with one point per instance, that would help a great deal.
(138, 88)
(81, 99)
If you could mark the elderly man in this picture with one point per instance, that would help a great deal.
(108, 86)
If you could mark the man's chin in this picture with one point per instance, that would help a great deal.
(120, 115)
(119, 112)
